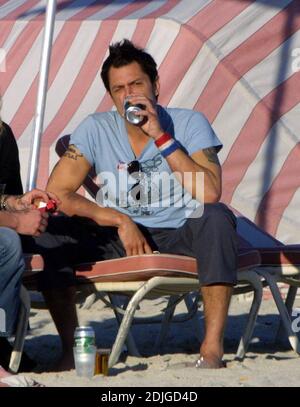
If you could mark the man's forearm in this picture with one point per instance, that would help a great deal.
(182, 164)
(75, 204)
(9, 202)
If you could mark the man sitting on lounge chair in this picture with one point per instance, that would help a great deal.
(136, 154)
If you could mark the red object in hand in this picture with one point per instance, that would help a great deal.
(50, 206)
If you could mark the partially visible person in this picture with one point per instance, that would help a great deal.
(18, 215)
(9, 160)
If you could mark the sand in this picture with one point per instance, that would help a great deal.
(267, 363)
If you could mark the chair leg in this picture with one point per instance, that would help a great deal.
(22, 326)
(89, 301)
(256, 283)
(167, 319)
(289, 303)
(285, 317)
(130, 342)
(290, 299)
(128, 317)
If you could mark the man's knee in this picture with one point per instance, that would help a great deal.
(10, 244)
(11, 257)
(218, 215)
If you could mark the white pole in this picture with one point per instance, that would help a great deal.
(42, 91)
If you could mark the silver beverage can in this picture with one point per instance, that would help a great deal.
(130, 112)
(84, 336)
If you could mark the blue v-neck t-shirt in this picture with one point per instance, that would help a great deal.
(102, 139)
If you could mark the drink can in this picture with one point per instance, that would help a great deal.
(130, 112)
(102, 357)
(84, 336)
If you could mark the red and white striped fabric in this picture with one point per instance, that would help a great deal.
(234, 60)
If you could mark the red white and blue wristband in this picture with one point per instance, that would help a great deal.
(166, 145)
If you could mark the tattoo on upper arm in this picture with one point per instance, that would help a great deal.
(72, 153)
(211, 155)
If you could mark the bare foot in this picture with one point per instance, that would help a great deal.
(210, 357)
(212, 363)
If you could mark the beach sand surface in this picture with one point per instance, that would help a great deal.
(267, 363)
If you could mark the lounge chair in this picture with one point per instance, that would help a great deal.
(279, 264)
(152, 276)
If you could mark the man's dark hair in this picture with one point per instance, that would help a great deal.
(124, 53)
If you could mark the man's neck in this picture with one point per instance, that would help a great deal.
(137, 138)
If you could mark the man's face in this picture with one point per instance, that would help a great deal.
(130, 80)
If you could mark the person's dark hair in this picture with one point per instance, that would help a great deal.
(124, 53)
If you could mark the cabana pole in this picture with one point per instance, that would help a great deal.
(41, 96)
